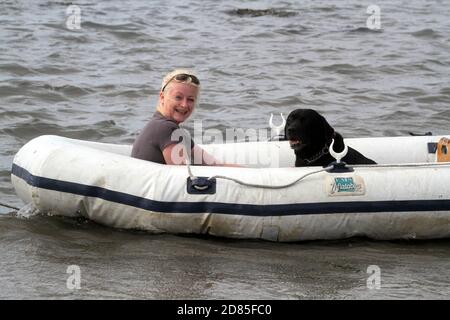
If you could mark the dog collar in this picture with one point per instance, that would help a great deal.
(322, 152)
(317, 156)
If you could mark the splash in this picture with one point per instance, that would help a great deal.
(27, 211)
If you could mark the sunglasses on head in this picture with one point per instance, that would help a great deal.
(183, 77)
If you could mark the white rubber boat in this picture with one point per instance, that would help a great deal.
(407, 195)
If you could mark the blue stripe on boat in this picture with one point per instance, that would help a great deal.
(230, 208)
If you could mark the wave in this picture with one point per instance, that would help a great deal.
(46, 91)
(426, 33)
(113, 27)
(342, 68)
(16, 69)
(21, 70)
(365, 30)
(434, 98)
(261, 12)
(98, 131)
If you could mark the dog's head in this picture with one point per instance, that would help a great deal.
(306, 129)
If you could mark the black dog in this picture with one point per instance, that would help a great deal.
(310, 136)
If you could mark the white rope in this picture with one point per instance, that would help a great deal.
(318, 171)
(406, 165)
(267, 186)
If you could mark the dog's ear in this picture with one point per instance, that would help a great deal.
(327, 128)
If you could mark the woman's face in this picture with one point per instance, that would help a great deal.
(178, 101)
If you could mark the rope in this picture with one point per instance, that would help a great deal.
(192, 176)
(406, 165)
(314, 172)
(270, 187)
(8, 206)
(257, 185)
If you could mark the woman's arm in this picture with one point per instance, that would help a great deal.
(175, 154)
(209, 160)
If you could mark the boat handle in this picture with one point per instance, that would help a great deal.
(201, 185)
(338, 166)
(338, 155)
(277, 129)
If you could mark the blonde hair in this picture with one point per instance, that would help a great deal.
(168, 77)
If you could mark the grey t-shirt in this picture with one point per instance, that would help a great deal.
(154, 138)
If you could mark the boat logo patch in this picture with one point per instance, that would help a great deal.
(345, 186)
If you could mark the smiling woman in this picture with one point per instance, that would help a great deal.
(161, 140)
(178, 95)
(177, 99)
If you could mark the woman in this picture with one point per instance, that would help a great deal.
(160, 140)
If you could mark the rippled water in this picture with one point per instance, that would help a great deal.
(101, 82)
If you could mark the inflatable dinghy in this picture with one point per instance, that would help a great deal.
(406, 195)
